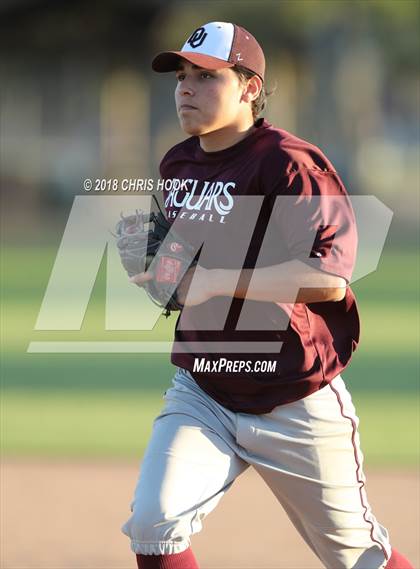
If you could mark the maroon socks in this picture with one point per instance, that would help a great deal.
(184, 560)
(398, 561)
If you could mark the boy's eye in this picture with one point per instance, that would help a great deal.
(203, 75)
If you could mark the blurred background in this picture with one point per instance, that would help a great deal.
(79, 100)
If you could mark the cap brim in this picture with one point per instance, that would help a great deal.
(169, 61)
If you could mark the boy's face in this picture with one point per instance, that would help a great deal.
(208, 100)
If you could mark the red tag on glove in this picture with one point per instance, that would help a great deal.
(167, 270)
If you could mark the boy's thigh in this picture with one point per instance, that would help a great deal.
(186, 470)
(190, 462)
(186, 464)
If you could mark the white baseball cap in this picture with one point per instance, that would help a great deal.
(216, 45)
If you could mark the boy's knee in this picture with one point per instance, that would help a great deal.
(146, 524)
(153, 532)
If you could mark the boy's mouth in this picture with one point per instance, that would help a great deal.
(185, 107)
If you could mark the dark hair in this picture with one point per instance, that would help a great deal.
(258, 105)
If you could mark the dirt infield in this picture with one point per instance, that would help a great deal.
(68, 515)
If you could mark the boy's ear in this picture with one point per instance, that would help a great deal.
(252, 89)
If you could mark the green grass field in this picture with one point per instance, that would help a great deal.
(114, 423)
(91, 405)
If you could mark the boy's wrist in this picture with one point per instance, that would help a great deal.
(214, 282)
(217, 284)
(220, 281)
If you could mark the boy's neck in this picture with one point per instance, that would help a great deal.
(225, 137)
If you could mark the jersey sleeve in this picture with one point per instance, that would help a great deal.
(316, 221)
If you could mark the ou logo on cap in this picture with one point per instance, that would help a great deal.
(197, 38)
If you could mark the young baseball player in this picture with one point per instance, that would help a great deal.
(269, 323)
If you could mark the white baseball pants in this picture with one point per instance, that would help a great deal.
(308, 453)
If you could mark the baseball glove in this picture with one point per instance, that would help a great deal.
(140, 240)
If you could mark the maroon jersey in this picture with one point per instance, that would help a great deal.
(306, 345)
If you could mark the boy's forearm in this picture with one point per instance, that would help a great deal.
(279, 283)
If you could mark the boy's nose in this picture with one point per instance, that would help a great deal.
(186, 90)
